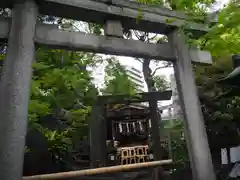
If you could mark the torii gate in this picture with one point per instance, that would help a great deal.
(23, 32)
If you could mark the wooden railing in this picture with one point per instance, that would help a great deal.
(103, 170)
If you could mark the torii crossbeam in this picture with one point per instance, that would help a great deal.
(23, 32)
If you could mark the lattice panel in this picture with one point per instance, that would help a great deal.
(133, 155)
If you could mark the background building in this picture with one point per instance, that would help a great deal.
(136, 76)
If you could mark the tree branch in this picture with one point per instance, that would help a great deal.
(140, 60)
(151, 38)
(161, 67)
(136, 34)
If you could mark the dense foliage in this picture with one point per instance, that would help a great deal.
(117, 80)
(62, 94)
(221, 108)
(220, 104)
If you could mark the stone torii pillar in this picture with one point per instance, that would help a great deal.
(197, 142)
(15, 87)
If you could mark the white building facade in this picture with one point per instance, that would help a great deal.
(136, 77)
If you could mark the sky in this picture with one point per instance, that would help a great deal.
(129, 61)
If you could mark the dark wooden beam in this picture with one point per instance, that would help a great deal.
(141, 97)
(155, 119)
(131, 116)
(97, 135)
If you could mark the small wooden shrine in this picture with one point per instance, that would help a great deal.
(126, 135)
(128, 132)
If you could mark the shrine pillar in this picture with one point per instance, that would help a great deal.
(15, 89)
(198, 147)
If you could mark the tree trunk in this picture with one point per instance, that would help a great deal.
(147, 75)
(228, 155)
